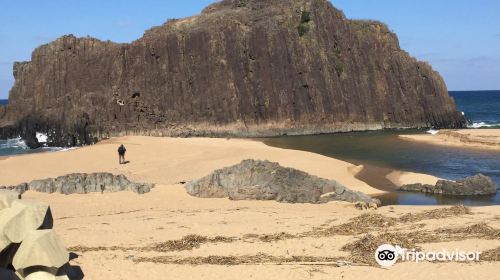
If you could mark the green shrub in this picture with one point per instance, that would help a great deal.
(305, 17)
(302, 29)
(339, 67)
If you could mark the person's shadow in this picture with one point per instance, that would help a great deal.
(126, 162)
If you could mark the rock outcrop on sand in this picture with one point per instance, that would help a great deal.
(29, 248)
(473, 185)
(82, 183)
(241, 67)
(264, 180)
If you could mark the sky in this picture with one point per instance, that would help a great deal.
(459, 38)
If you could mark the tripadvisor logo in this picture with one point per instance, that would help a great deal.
(387, 255)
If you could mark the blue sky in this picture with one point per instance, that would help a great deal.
(460, 38)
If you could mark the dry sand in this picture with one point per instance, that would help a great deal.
(469, 138)
(129, 236)
(172, 160)
(91, 225)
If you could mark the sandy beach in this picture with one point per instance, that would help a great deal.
(468, 138)
(168, 234)
(171, 160)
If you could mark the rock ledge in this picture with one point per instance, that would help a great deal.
(83, 183)
(474, 185)
(264, 180)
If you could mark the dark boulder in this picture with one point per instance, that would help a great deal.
(83, 183)
(473, 185)
(264, 180)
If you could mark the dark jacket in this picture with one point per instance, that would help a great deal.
(122, 150)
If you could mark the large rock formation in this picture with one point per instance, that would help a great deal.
(82, 183)
(241, 67)
(473, 185)
(264, 180)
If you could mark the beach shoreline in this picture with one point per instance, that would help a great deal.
(162, 160)
(464, 138)
(125, 235)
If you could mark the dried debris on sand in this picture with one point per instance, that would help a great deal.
(492, 255)
(480, 230)
(239, 260)
(188, 242)
(360, 224)
(362, 250)
(436, 214)
(372, 230)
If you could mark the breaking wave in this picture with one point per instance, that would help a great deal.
(15, 143)
(483, 125)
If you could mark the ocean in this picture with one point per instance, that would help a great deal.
(482, 107)
(385, 150)
(17, 146)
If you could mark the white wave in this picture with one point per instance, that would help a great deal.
(66, 149)
(41, 137)
(13, 143)
(433, 131)
(483, 124)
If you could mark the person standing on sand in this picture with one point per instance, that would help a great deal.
(121, 154)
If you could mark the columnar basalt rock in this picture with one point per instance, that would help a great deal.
(264, 180)
(242, 68)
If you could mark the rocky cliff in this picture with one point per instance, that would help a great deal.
(241, 67)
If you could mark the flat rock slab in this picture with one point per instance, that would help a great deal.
(264, 180)
(83, 183)
(474, 185)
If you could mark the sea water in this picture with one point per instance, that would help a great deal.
(17, 146)
(385, 149)
(482, 107)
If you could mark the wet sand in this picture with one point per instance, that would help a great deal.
(466, 138)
